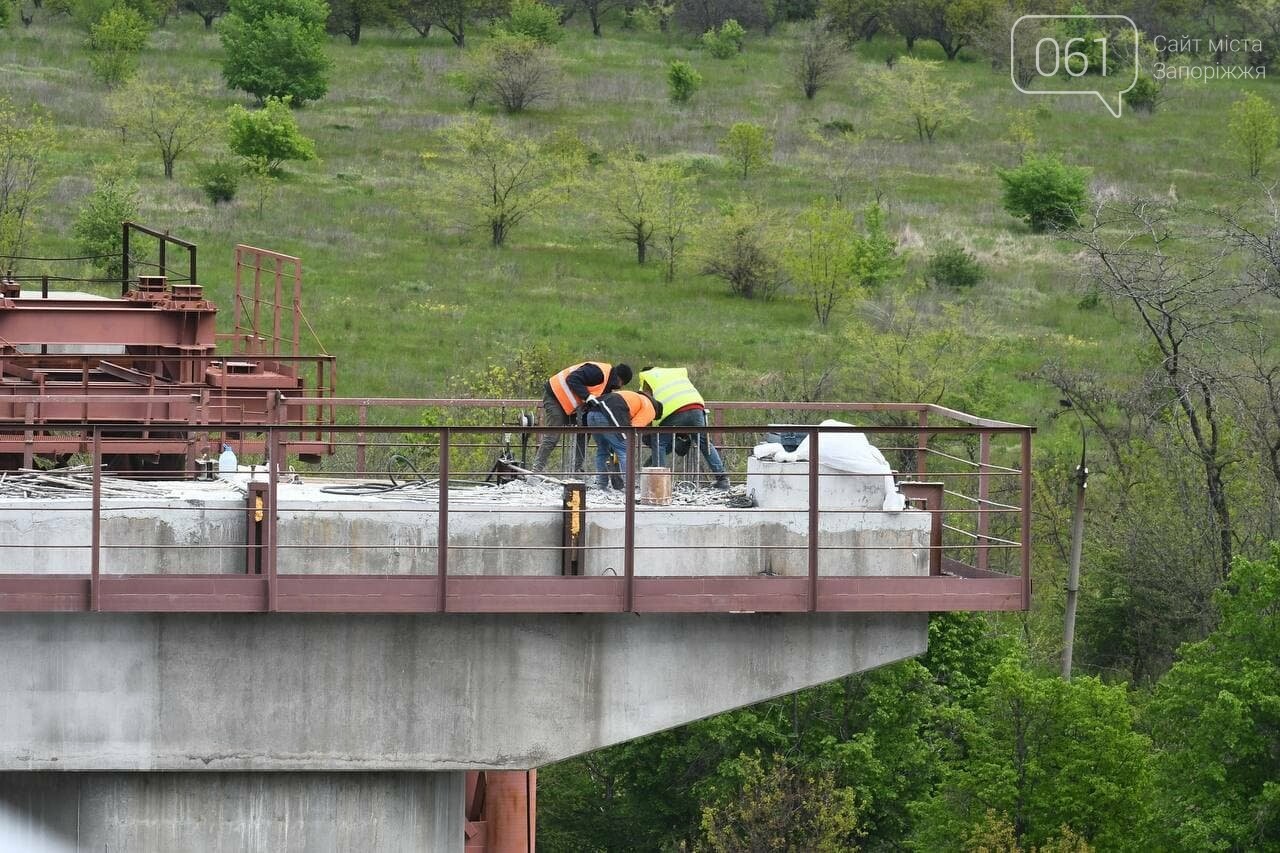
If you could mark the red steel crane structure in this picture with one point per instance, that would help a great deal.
(151, 362)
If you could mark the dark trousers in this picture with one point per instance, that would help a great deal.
(553, 415)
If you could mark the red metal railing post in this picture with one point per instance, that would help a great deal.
(1026, 519)
(629, 522)
(364, 420)
(983, 559)
(813, 520)
(922, 444)
(442, 532)
(274, 459)
(95, 525)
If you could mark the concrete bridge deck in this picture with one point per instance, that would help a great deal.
(269, 666)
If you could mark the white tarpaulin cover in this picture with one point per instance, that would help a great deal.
(844, 451)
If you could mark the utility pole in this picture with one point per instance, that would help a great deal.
(1081, 479)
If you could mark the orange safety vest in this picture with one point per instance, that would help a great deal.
(640, 407)
(560, 385)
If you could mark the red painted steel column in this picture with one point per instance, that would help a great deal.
(95, 532)
(364, 420)
(813, 520)
(629, 523)
(510, 803)
(983, 560)
(922, 444)
(1026, 519)
(442, 531)
(274, 460)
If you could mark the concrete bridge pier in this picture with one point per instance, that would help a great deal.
(283, 732)
(232, 812)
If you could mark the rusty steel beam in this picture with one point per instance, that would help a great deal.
(508, 594)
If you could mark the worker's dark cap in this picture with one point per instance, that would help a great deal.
(623, 373)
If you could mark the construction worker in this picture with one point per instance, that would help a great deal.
(564, 397)
(682, 405)
(618, 409)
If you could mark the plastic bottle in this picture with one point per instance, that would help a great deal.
(227, 462)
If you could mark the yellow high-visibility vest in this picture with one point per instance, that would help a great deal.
(671, 387)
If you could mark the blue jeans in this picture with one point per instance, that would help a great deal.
(689, 418)
(606, 443)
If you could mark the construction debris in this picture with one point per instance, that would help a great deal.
(73, 482)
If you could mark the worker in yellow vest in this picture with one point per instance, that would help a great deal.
(619, 409)
(682, 405)
(566, 397)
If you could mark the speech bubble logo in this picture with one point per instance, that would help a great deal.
(1040, 52)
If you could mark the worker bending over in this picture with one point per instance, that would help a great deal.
(564, 397)
(618, 409)
(681, 406)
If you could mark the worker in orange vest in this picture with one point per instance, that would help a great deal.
(619, 409)
(566, 397)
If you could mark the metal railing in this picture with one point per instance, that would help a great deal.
(965, 545)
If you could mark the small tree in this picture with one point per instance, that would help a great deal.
(350, 17)
(533, 19)
(208, 10)
(916, 89)
(740, 248)
(820, 257)
(115, 42)
(1254, 127)
(819, 57)
(1044, 192)
(682, 80)
(169, 116)
(270, 134)
(673, 216)
(25, 143)
(747, 146)
(520, 72)
(97, 229)
(498, 178)
(641, 197)
(275, 48)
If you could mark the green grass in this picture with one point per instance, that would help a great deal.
(406, 300)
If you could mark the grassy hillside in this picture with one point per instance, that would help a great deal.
(406, 299)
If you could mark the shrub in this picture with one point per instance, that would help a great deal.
(219, 180)
(113, 200)
(951, 266)
(725, 42)
(533, 19)
(269, 135)
(1144, 97)
(683, 80)
(741, 249)
(1045, 192)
